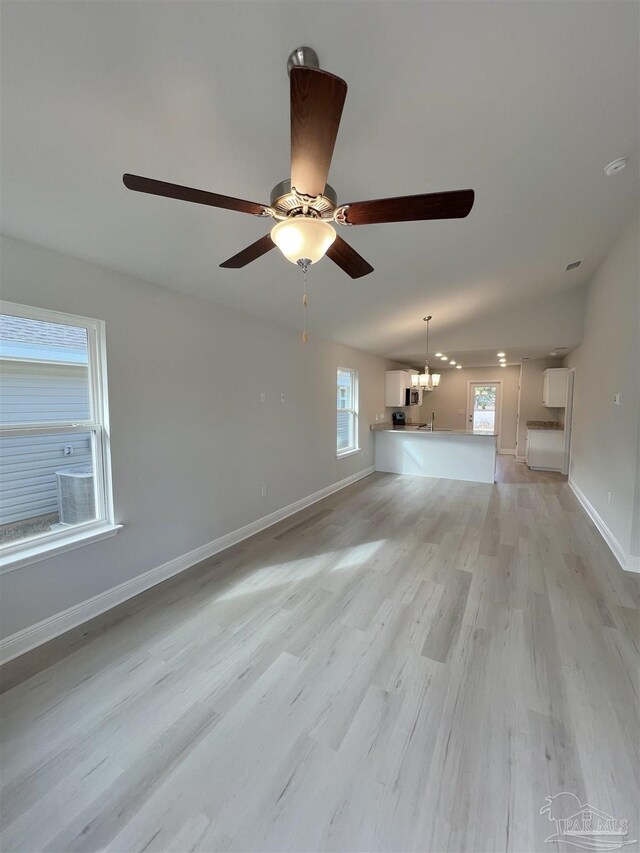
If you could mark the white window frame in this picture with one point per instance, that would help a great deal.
(353, 410)
(15, 555)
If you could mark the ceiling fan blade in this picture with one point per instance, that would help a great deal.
(346, 257)
(149, 185)
(255, 250)
(409, 208)
(317, 99)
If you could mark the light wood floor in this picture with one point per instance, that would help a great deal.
(411, 664)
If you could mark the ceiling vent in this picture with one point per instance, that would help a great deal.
(573, 266)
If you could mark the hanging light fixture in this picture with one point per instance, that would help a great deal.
(303, 240)
(428, 381)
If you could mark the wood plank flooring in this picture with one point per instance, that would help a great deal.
(410, 665)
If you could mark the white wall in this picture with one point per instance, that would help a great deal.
(191, 443)
(605, 444)
(449, 399)
(531, 391)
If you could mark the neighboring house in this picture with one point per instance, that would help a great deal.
(44, 378)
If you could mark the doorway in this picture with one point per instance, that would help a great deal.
(484, 407)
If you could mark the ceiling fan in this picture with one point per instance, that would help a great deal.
(305, 206)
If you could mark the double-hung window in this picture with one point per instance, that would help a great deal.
(55, 479)
(347, 411)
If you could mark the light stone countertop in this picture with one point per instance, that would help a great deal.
(387, 427)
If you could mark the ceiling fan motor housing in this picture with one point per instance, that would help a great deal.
(287, 202)
(304, 56)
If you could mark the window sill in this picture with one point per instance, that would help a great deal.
(51, 548)
(346, 453)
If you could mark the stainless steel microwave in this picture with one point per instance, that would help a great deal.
(412, 397)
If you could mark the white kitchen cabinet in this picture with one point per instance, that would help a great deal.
(554, 387)
(545, 449)
(395, 389)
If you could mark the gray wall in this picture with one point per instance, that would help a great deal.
(604, 451)
(449, 400)
(192, 444)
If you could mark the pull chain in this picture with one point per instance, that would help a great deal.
(305, 303)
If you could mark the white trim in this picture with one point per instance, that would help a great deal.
(627, 561)
(51, 544)
(97, 425)
(34, 635)
(498, 410)
(520, 458)
(351, 452)
(353, 410)
(507, 451)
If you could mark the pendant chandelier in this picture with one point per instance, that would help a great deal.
(427, 381)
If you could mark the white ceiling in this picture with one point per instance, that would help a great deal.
(525, 102)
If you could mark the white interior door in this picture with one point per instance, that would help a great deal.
(484, 409)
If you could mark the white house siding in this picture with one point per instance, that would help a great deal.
(38, 391)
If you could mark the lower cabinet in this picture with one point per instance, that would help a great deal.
(545, 449)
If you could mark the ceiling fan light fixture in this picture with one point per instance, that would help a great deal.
(303, 237)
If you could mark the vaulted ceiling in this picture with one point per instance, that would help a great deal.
(524, 102)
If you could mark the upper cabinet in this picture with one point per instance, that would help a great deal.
(395, 389)
(554, 389)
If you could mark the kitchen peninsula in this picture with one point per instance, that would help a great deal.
(452, 454)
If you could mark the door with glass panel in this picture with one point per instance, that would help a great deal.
(483, 407)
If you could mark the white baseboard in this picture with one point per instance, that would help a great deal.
(507, 451)
(628, 562)
(521, 458)
(35, 635)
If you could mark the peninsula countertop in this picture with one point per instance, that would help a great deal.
(411, 428)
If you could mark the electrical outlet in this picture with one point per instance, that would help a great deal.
(283, 397)
(617, 399)
(263, 397)
(68, 450)
(264, 492)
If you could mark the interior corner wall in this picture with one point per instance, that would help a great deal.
(605, 449)
(448, 401)
(531, 405)
(191, 443)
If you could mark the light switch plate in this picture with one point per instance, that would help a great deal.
(616, 399)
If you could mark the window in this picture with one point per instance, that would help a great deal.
(55, 483)
(347, 411)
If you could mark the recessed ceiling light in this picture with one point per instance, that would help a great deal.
(452, 362)
(438, 354)
(615, 166)
(500, 354)
(458, 367)
(444, 358)
(503, 365)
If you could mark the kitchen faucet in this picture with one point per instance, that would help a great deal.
(430, 425)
